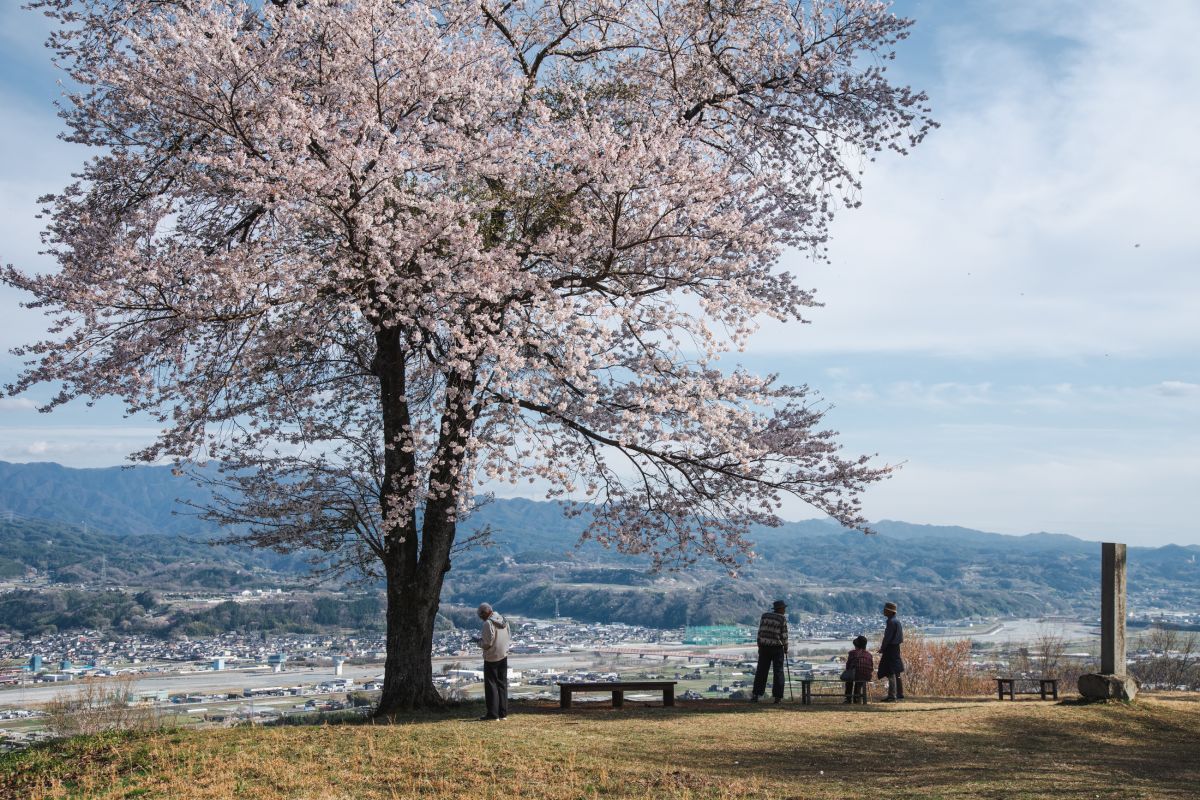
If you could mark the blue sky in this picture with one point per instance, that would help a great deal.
(1011, 315)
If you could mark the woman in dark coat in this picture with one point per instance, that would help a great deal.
(891, 665)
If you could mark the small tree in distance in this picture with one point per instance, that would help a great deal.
(367, 254)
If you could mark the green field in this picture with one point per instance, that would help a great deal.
(707, 749)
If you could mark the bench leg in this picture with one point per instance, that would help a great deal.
(618, 698)
(564, 697)
(1054, 690)
(668, 696)
(1000, 690)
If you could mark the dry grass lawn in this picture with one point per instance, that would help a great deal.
(918, 749)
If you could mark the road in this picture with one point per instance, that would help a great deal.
(235, 680)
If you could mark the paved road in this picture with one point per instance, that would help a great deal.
(1030, 630)
(235, 680)
(205, 682)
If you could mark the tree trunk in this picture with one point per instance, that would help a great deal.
(414, 591)
(408, 672)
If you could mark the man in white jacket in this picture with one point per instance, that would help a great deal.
(495, 641)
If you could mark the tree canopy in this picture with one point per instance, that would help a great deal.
(370, 253)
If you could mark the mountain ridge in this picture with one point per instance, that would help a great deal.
(535, 563)
(73, 495)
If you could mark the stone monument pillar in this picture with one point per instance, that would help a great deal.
(1112, 608)
(1112, 682)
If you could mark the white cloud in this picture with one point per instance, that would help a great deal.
(1112, 483)
(75, 445)
(945, 394)
(1052, 214)
(1139, 499)
(1165, 400)
(17, 404)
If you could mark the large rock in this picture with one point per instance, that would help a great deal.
(1094, 686)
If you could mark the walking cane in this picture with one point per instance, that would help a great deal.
(787, 664)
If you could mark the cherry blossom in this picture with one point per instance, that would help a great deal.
(370, 255)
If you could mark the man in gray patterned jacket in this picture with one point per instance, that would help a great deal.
(772, 650)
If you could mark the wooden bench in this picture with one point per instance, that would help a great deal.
(807, 694)
(1048, 687)
(618, 689)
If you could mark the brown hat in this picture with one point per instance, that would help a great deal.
(890, 607)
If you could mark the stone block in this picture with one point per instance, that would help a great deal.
(1095, 686)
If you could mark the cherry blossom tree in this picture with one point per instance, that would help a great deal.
(370, 255)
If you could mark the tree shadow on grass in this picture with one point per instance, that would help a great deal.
(604, 709)
(1108, 753)
(601, 710)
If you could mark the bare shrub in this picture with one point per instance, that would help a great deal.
(1041, 658)
(100, 705)
(941, 668)
(1045, 656)
(1174, 660)
(1051, 649)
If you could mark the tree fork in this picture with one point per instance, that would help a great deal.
(411, 610)
(415, 570)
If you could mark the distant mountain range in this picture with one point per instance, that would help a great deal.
(120, 500)
(119, 525)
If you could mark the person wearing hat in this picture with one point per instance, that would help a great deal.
(891, 666)
(772, 650)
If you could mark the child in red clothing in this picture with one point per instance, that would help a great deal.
(859, 661)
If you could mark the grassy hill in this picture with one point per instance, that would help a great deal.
(921, 749)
